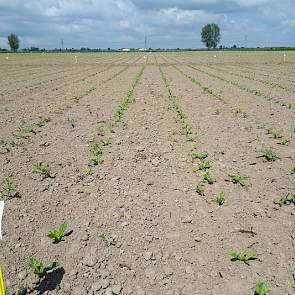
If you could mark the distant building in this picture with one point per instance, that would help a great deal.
(126, 49)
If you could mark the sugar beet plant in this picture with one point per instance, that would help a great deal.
(129, 98)
(58, 234)
(43, 169)
(41, 270)
(186, 130)
(9, 188)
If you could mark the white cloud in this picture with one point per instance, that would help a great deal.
(173, 23)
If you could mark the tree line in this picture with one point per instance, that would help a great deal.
(210, 35)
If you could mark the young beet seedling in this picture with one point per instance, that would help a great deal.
(289, 199)
(43, 169)
(58, 234)
(43, 121)
(220, 199)
(261, 289)
(105, 142)
(10, 188)
(241, 180)
(269, 155)
(96, 155)
(200, 189)
(39, 269)
(209, 178)
(200, 156)
(204, 165)
(87, 171)
(243, 256)
(293, 170)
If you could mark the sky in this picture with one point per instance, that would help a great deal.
(165, 23)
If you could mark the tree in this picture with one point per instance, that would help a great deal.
(210, 35)
(13, 42)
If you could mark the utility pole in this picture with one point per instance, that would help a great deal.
(62, 44)
(145, 42)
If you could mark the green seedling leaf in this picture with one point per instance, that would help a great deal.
(209, 178)
(283, 142)
(39, 269)
(269, 155)
(200, 190)
(9, 188)
(105, 142)
(293, 170)
(87, 171)
(289, 199)
(58, 234)
(204, 165)
(220, 198)
(43, 169)
(238, 179)
(243, 256)
(109, 240)
(200, 156)
(43, 121)
(261, 289)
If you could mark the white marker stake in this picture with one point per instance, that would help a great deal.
(284, 57)
(76, 59)
(1, 213)
(7, 57)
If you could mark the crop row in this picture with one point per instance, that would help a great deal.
(268, 83)
(25, 132)
(204, 166)
(38, 267)
(271, 131)
(255, 92)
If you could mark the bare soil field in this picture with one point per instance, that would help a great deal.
(172, 173)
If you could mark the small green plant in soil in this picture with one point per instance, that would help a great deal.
(25, 132)
(283, 141)
(87, 171)
(289, 199)
(217, 111)
(208, 178)
(20, 291)
(111, 128)
(200, 155)
(243, 256)
(270, 155)
(261, 289)
(204, 165)
(293, 170)
(105, 142)
(220, 198)
(200, 189)
(275, 133)
(239, 179)
(241, 112)
(58, 234)
(43, 120)
(96, 158)
(9, 187)
(186, 130)
(43, 169)
(109, 240)
(39, 269)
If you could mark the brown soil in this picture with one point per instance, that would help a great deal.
(137, 224)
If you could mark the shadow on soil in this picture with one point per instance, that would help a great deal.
(51, 281)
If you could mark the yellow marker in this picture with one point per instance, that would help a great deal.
(2, 290)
